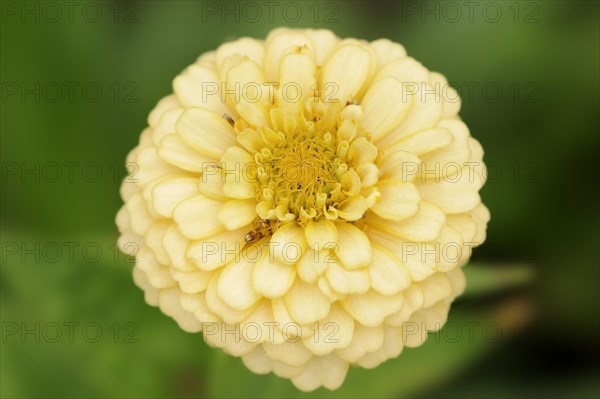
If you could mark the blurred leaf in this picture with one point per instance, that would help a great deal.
(486, 279)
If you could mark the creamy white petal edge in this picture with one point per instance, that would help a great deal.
(370, 265)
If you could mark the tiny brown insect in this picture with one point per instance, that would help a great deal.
(260, 228)
(229, 119)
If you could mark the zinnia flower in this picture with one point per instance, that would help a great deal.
(305, 201)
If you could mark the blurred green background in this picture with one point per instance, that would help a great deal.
(78, 81)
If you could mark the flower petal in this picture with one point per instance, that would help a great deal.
(174, 151)
(418, 257)
(251, 48)
(235, 285)
(297, 81)
(399, 201)
(170, 304)
(387, 51)
(422, 142)
(386, 104)
(353, 247)
(450, 98)
(206, 132)
(166, 125)
(167, 194)
(406, 69)
(164, 104)
(217, 250)
(291, 352)
(271, 277)
(196, 217)
(191, 282)
(258, 361)
(248, 92)
(157, 274)
(338, 82)
(435, 288)
(238, 179)
(324, 41)
(312, 264)
(328, 371)
(481, 216)
(196, 303)
(139, 218)
(424, 226)
(237, 213)
(175, 245)
(277, 44)
(353, 208)
(400, 165)
(288, 243)
(148, 166)
(347, 281)
(447, 160)
(218, 306)
(364, 339)
(425, 111)
(387, 274)
(361, 151)
(331, 333)
(371, 308)
(454, 195)
(306, 303)
(320, 232)
(199, 86)
(391, 348)
(153, 240)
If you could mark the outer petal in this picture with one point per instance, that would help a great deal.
(364, 339)
(297, 81)
(328, 371)
(272, 277)
(167, 194)
(215, 251)
(371, 308)
(206, 132)
(353, 247)
(399, 201)
(169, 303)
(278, 43)
(235, 285)
(333, 332)
(199, 86)
(177, 153)
(196, 217)
(251, 48)
(388, 275)
(385, 105)
(345, 84)
(237, 213)
(424, 226)
(456, 194)
(288, 243)
(306, 303)
(324, 41)
(387, 51)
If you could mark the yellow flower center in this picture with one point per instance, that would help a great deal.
(304, 169)
(300, 174)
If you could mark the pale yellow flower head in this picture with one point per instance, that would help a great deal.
(305, 201)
